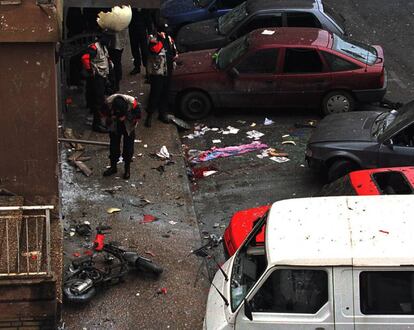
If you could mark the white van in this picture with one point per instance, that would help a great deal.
(326, 263)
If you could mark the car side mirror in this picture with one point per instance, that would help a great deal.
(233, 73)
(248, 310)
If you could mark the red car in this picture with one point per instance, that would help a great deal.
(381, 181)
(280, 67)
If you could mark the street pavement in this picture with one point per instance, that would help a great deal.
(136, 303)
(247, 181)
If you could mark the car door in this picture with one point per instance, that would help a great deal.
(253, 80)
(254, 22)
(291, 298)
(399, 149)
(305, 78)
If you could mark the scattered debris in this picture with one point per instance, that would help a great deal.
(254, 134)
(112, 190)
(68, 133)
(285, 136)
(215, 153)
(268, 122)
(83, 229)
(279, 159)
(84, 169)
(252, 124)
(216, 141)
(309, 124)
(113, 210)
(198, 173)
(163, 153)
(152, 254)
(178, 122)
(148, 218)
(162, 291)
(268, 32)
(289, 142)
(384, 231)
(172, 222)
(230, 130)
(208, 173)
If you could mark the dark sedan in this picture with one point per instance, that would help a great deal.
(368, 139)
(255, 14)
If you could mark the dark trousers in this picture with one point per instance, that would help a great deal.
(158, 98)
(95, 97)
(138, 39)
(115, 144)
(116, 57)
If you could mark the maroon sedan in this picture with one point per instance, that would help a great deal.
(280, 68)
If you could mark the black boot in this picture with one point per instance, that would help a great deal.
(110, 171)
(148, 120)
(127, 173)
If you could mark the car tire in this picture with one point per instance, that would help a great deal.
(337, 102)
(339, 168)
(195, 105)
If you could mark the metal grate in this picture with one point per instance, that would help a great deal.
(25, 241)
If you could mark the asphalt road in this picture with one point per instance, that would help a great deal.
(247, 181)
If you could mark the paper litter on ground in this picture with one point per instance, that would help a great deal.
(254, 134)
(268, 122)
(279, 159)
(216, 141)
(163, 153)
(208, 173)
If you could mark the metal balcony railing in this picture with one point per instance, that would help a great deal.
(24, 241)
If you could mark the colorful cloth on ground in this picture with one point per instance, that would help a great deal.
(215, 153)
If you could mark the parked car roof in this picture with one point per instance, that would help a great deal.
(257, 5)
(290, 37)
(341, 231)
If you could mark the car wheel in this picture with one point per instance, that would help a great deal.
(339, 168)
(337, 102)
(195, 105)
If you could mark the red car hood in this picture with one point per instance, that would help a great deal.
(240, 226)
(195, 62)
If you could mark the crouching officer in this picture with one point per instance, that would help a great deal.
(123, 112)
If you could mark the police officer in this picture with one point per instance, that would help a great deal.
(97, 64)
(162, 54)
(122, 112)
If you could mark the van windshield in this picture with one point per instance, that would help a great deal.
(250, 262)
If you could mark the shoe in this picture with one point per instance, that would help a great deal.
(135, 71)
(127, 173)
(148, 120)
(164, 118)
(110, 171)
(100, 129)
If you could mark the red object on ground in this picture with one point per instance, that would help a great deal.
(88, 252)
(99, 242)
(240, 226)
(148, 218)
(162, 291)
(76, 254)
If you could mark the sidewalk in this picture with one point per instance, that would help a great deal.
(135, 303)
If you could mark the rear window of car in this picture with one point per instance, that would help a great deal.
(340, 187)
(357, 50)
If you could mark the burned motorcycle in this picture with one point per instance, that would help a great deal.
(84, 275)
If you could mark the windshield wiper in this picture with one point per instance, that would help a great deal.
(226, 302)
(353, 53)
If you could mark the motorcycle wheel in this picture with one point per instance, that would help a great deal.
(77, 298)
(148, 266)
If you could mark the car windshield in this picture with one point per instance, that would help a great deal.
(249, 265)
(383, 121)
(228, 21)
(231, 52)
(359, 51)
(203, 3)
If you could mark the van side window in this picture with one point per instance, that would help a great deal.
(385, 293)
(292, 291)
